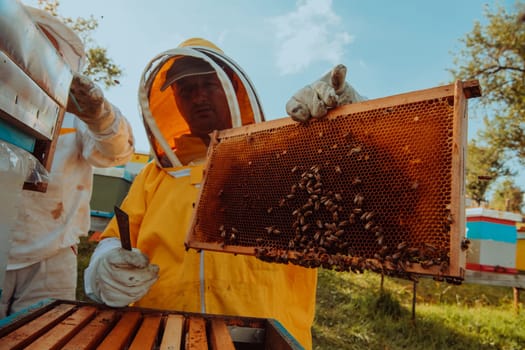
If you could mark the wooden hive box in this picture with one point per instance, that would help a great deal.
(59, 324)
(34, 82)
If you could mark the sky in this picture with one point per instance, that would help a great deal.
(388, 47)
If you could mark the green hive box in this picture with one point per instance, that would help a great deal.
(110, 186)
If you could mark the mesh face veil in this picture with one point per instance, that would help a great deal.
(168, 132)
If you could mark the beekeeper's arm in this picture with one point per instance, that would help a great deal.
(314, 100)
(118, 277)
(108, 140)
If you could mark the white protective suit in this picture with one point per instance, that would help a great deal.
(42, 261)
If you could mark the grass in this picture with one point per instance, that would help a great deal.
(354, 313)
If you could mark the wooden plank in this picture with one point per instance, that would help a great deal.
(172, 338)
(220, 338)
(65, 330)
(120, 336)
(471, 87)
(196, 334)
(94, 332)
(458, 257)
(147, 333)
(27, 333)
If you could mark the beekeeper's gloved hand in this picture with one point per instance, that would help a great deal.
(118, 277)
(87, 101)
(314, 100)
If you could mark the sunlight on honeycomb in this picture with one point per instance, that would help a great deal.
(347, 193)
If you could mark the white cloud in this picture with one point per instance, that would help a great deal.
(311, 33)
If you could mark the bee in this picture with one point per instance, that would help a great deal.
(443, 267)
(355, 150)
(358, 199)
(269, 210)
(338, 169)
(357, 210)
(426, 264)
(465, 244)
(343, 223)
(402, 245)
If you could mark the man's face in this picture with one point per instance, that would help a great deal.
(203, 104)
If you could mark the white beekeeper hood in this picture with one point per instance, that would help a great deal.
(70, 45)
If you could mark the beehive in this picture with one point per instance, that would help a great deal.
(35, 87)
(62, 324)
(375, 185)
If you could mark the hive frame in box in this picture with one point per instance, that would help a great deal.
(35, 84)
(375, 185)
(64, 324)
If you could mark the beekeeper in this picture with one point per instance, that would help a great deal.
(42, 261)
(185, 94)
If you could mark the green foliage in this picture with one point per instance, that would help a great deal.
(507, 197)
(495, 54)
(100, 67)
(484, 165)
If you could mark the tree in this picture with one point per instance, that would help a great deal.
(495, 54)
(507, 197)
(100, 67)
(484, 166)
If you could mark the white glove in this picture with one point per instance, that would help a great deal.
(120, 277)
(87, 101)
(313, 101)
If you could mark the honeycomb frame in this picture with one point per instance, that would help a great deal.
(375, 185)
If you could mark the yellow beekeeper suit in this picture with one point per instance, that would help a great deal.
(160, 204)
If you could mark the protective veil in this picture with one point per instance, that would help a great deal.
(160, 204)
